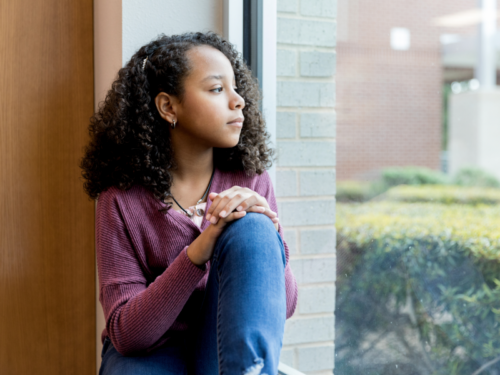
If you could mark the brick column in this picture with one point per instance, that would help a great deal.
(305, 175)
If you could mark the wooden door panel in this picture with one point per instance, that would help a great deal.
(47, 286)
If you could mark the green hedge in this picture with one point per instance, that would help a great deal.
(362, 191)
(475, 177)
(354, 191)
(443, 194)
(426, 275)
(412, 176)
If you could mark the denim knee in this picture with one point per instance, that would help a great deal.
(251, 224)
(251, 229)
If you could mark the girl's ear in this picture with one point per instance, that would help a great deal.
(166, 104)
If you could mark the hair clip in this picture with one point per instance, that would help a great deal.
(144, 63)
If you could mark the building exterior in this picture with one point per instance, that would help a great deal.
(389, 82)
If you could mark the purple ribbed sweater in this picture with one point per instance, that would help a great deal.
(148, 287)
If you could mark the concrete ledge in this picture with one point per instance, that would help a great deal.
(287, 370)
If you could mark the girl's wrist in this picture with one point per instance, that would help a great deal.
(196, 262)
(200, 250)
(212, 232)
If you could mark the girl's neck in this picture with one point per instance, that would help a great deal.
(191, 170)
(194, 161)
(191, 183)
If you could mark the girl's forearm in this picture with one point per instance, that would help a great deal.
(200, 251)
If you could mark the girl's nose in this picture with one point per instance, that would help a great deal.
(238, 102)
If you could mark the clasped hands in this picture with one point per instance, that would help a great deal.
(239, 199)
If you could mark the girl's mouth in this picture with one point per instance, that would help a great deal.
(237, 122)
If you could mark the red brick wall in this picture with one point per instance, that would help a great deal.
(389, 102)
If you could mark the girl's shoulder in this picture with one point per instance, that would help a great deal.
(132, 199)
(115, 192)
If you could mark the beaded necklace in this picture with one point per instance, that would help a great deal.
(199, 211)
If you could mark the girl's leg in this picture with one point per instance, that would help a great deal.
(243, 313)
(164, 361)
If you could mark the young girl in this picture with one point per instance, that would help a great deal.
(193, 270)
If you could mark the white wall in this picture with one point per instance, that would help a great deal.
(143, 20)
(474, 131)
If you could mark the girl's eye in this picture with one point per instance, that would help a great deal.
(218, 88)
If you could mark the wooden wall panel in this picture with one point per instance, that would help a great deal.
(47, 286)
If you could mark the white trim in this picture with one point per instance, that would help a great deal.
(107, 62)
(107, 46)
(485, 70)
(233, 23)
(269, 40)
(287, 370)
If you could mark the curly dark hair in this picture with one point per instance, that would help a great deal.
(130, 142)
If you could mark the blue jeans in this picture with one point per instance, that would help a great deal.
(242, 316)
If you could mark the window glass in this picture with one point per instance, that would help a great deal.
(418, 192)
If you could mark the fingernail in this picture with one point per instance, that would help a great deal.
(209, 216)
(213, 220)
(239, 208)
(222, 214)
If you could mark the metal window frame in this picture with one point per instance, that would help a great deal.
(252, 36)
(251, 26)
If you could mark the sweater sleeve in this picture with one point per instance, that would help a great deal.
(137, 315)
(265, 188)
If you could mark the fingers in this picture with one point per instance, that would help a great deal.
(254, 200)
(257, 209)
(266, 211)
(231, 217)
(263, 210)
(237, 199)
(218, 199)
(226, 202)
(233, 201)
(259, 204)
(239, 214)
(234, 215)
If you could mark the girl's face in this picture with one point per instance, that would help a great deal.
(210, 113)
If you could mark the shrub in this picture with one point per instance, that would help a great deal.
(443, 194)
(412, 176)
(353, 191)
(475, 177)
(423, 275)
